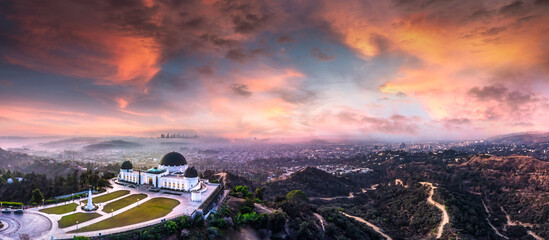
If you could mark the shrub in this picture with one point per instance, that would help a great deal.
(171, 227)
(185, 222)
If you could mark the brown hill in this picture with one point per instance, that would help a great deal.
(314, 182)
(517, 171)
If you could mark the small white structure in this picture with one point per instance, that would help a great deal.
(196, 196)
(10, 180)
(90, 206)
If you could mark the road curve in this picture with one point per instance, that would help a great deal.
(376, 228)
(445, 216)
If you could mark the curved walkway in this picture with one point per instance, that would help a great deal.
(445, 216)
(186, 207)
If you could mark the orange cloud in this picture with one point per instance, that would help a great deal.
(456, 51)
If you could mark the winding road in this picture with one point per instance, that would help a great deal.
(371, 225)
(445, 216)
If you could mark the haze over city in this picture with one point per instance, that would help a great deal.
(411, 70)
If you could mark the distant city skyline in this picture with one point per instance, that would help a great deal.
(363, 70)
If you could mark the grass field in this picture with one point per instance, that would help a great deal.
(69, 220)
(108, 197)
(154, 208)
(60, 209)
(118, 204)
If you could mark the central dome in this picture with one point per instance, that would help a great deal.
(173, 159)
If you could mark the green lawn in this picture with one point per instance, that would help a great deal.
(118, 204)
(60, 209)
(108, 197)
(69, 220)
(154, 208)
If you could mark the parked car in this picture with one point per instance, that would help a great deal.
(6, 210)
(18, 211)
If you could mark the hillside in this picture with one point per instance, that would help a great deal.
(232, 180)
(521, 138)
(513, 171)
(314, 182)
(12, 159)
(515, 188)
(113, 144)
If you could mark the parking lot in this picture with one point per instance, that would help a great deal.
(29, 223)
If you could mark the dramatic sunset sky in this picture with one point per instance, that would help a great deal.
(433, 69)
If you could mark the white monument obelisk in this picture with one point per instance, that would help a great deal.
(90, 206)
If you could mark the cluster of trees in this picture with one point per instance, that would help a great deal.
(241, 192)
(184, 227)
(11, 204)
(342, 227)
(25, 190)
(314, 182)
(467, 214)
(385, 207)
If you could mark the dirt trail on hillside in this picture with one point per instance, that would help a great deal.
(445, 216)
(371, 225)
(519, 223)
(321, 219)
(490, 223)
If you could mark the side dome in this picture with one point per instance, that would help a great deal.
(173, 159)
(126, 165)
(190, 173)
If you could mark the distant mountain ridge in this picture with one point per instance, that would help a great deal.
(112, 144)
(521, 138)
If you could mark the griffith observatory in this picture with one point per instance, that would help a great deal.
(172, 173)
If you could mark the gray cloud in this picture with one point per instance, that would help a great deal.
(508, 103)
(395, 124)
(240, 90)
(241, 55)
(284, 39)
(321, 55)
(514, 8)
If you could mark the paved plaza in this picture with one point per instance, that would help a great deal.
(40, 225)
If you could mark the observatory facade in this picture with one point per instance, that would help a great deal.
(172, 173)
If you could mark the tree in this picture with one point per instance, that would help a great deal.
(307, 230)
(296, 197)
(36, 196)
(198, 220)
(185, 222)
(80, 238)
(171, 227)
(213, 232)
(24, 237)
(277, 220)
(259, 192)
